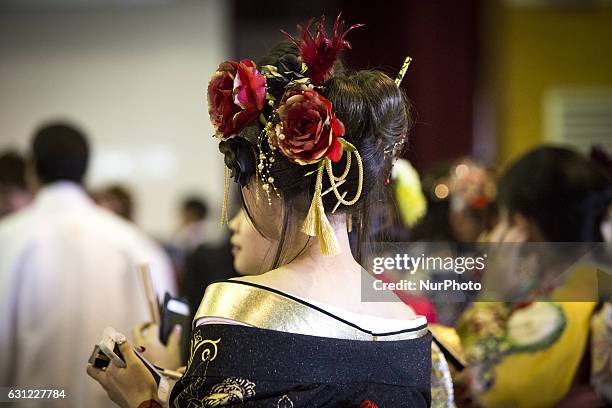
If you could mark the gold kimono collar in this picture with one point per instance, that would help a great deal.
(268, 308)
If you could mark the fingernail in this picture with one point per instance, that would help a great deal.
(120, 339)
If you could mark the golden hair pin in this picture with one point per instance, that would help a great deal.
(402, 72)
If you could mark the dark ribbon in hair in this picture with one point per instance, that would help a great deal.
(239, 158)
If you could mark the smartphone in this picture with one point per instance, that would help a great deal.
(174, 311)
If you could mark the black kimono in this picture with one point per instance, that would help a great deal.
(290, 353)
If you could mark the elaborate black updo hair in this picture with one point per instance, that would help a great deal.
(376, 117)
(564, 193)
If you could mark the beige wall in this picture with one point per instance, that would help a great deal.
(134, 78)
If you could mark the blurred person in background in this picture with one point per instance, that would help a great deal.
(118, 199)
(204, 265)
(192, 229)
(190, 234)
(472, 200)
(529, 353)
(67, 267)
(14, 194)
(461, 203)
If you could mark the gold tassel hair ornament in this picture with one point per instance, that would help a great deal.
(226, 188)
(316, 223)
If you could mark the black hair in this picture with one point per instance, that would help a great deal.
(559, 190)
(12, 170)
(60, 152)
(122, 196)
(196, 206)
(376, 117)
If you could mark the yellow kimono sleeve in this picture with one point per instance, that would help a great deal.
(542, 375)
(541, 379)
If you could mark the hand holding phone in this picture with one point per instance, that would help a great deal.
(126, 377)
(107, 351)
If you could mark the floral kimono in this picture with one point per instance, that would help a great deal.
(526, 355)
(286, 352)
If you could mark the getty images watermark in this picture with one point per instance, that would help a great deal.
(493, 272)
(414, 273)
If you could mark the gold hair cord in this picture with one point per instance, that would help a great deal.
(333, 179)
(316, 222)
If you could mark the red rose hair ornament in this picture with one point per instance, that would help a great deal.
(236, 96)
(308, 131)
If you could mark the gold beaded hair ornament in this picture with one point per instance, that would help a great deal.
(296, 121)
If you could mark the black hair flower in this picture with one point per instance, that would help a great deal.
(239, 158)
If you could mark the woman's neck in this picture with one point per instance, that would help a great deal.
(335, 280)
(312, 259)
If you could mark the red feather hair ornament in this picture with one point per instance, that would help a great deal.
(319, 52)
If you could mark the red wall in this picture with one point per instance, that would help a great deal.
(441, 36)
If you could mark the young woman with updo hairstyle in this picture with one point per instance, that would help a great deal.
(298, 334)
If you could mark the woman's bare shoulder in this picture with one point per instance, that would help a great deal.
(284, 280)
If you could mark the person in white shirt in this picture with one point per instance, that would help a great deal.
(67, 268)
